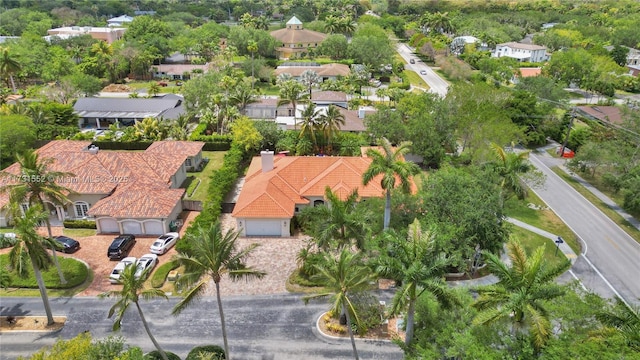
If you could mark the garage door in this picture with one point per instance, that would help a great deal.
(109, 225)
(153, 227)
(263, 228)
(132, 227)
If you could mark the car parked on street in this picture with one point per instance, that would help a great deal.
(145, 265)
(120, 246)
(164, 243)
(68, 244)
(423, 72)
(114, 277)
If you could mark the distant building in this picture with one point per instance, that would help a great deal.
(108, 34)
(326, 71)
(4, 39)
(526, 72)
(295, 40)
(521, 52)
(634, 70)
(178, 71)
(120, 20)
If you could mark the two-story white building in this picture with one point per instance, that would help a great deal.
(521, 52)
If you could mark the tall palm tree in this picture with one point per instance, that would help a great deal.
(31, 247)
(339, 220)
(625, 318)
(415, 263)
(9, 66)
(331, 121)
(213, 255)
(521, 292)
(38, 182)
(242, 96)
(252, 47)
(310, 78)
(394, 169)
(292, 92)
(310, 117)
(341, 277)
(438, 23)
(131, 292)
(331, 24)
(509, 166)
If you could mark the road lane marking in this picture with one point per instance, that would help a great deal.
(612, 242)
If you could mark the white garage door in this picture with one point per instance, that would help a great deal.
(263, 228)
(153, 227)
(109, 225)
(132, 227)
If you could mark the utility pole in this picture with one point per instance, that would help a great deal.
(566, 139)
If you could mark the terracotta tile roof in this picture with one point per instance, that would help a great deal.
(189, 148)
(294, 179)
(530, 72)
(134, 201)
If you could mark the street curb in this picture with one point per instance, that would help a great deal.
(331, 337)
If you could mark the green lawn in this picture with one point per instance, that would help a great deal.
(78, 233)
(612, 214)
(531, 241)
(140, 85)
(416, 80)
(267, 89)
(203, 178)
(543, 218)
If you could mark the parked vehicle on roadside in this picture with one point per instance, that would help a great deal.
(114, 277)
(121, 246)
(145, 265)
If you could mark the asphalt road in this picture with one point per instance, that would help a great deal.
(436, 83)
(278, 327)
(610, 259)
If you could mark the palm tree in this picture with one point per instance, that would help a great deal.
(310, 78)
(154, 89)
(213, 255)
(131, 292)
(31, 247)
(38, 182)
(342, 277)
(509, 167)
(391, 165)
(242, 96)
(9, 66)
(180, 127)
(437, 22)
(252, 47)
(331, 24)
(292, 92)
(331, 122)
(521, 292)
(340, 220)
(625, 318)
(415, 263)
(310, 117)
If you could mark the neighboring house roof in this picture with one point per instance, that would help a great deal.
(189, 148)
(92, 107)
(179, 69)
(516, 45)
(322, 70)
(295, 33)
(353, 120)
(136, 202)
(294, 179)
(294, 21)
(121, 19)
(335, 96)
(530, 72)
(610, 114)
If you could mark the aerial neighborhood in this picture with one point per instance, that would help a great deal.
(283, 179)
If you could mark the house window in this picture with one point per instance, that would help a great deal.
(24, 207)
(81, 209)
(297, 209)
(188, 162)
(318, 203)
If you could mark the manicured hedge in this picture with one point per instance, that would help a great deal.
(205, 351)
(75, 272)
(79, 224)
(160, 275)
(222, 181)
(155, 355)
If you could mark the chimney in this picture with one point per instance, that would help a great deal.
(267, 160)
(361, 113)
(93, 149)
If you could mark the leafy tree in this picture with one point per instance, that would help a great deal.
(30, 247)
(414, 262)
(131, 292)
(245, 134)
(573, 66)
(522, 290)
(38, 182)
(17, 134)
(213, 254)
(371, 50)
(387, 123)
(625, 319)
(341, 277)
(394, 169)
(619, 54)
(9, 66)
(334, 46)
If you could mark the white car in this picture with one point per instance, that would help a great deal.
(145, 264)
(164, 243)
(114, 277)
(423, 72)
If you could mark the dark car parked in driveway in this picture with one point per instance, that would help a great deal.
(69, 245)
(120, 246)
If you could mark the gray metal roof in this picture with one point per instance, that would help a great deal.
(123, 108)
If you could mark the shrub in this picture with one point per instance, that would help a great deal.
(75, 272)
(155, 355)
(79, 224)
(160, 275)
(199, 352)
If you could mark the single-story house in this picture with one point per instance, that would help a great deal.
(524, 72)
(338, 98)
(634, 70)
(125, 192)
(326, 72)
(108, 34)
(178, 71)
(521, 52)
(267, 107)
(353, 119)
(120, 20)
(605, 114)
(278, 187)
(99, 112)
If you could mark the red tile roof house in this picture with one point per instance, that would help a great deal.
(278, 187)
(125, 192)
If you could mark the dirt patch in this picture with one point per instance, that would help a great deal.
(30, 323)
(386, 331)
(118, 88)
